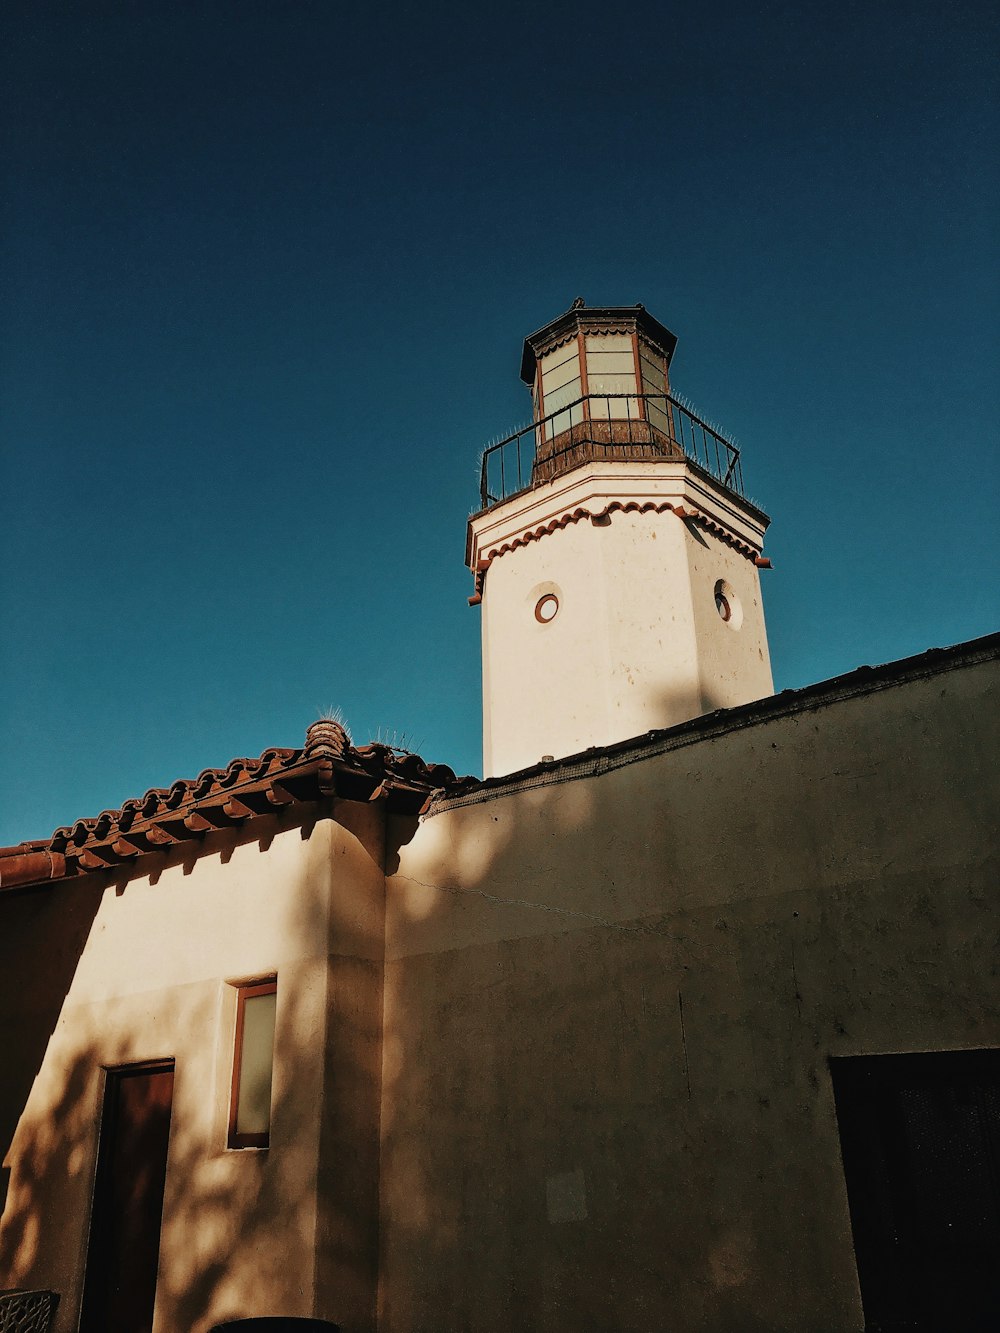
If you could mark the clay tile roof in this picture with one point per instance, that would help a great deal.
(327, 765)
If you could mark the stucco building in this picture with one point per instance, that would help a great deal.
(685, 1016)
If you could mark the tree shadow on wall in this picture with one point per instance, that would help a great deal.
(573, 1131)
(240, 1227)
(574, 1128)
(43, 932)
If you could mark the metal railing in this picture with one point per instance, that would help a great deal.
(606, 426)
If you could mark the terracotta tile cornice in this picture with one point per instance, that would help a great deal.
(223, 798)
(597, 492)
(603, 516)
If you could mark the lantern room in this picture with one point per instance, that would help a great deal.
(617, 560)
(599, 380)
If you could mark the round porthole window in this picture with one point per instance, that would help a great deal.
(546, 608)
(728, 605)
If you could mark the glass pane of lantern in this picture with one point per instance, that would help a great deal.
(559, 398)
(618, 409)
(624, 383)
(564, 420)
(609, 342)
(653, 379)
(253, 1107)
(562, 397)
(657, 414)
(611, 370)
(568, 351)
(554, 374)
(600, 364)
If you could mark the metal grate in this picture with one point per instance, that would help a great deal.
(27, 1311)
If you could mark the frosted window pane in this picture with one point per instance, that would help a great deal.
(555, 376)
(610, 363)
(569, 351)
(614, 409)
(562, 396)
(609, 342)
(253, 1108)
(613, 384)
(564, 420)
(653, 378)
(655, 411)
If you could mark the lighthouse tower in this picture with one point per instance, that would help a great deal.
(617, 560)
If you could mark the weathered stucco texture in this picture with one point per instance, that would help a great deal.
(144, 970)
(637, 642)
(611, 1001)
(554, 1057)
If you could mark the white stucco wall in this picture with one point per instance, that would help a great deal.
(241, 1228)
(610, 1003)
(637, 642)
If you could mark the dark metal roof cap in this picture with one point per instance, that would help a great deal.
(580, 316)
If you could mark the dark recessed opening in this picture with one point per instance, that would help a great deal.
(920, 1136)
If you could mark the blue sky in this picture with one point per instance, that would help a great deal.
(265, 276)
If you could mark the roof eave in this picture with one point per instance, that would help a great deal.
(580, 316)
(281, 781)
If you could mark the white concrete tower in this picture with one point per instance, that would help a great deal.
(616, 559)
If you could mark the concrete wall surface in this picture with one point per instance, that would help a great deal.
(98, 975)
(611, 1002)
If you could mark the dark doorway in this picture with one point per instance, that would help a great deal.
(921, 1144)
(120, 1285)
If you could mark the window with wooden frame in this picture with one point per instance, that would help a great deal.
(253, 1064)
